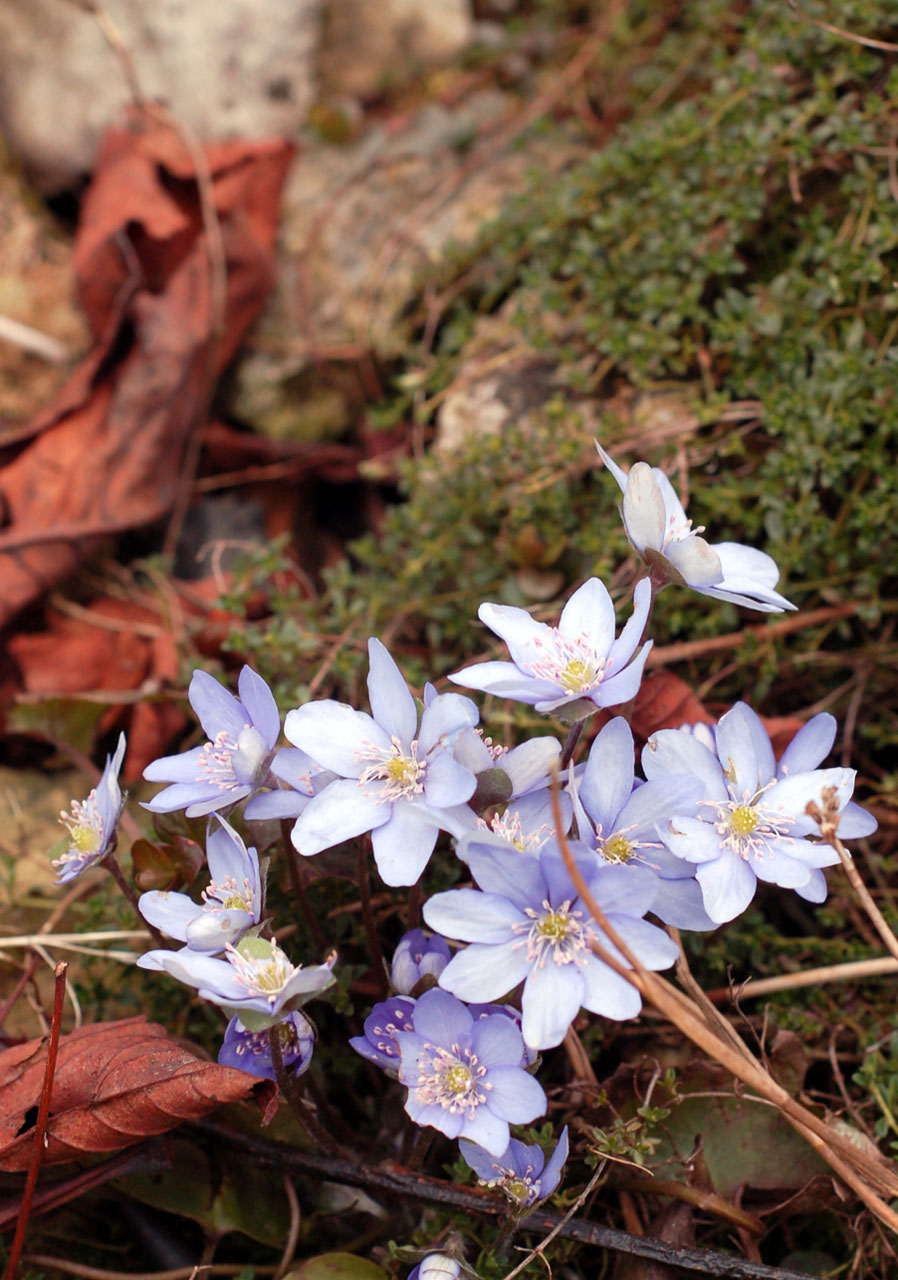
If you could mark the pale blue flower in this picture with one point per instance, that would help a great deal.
(417, 956)
(231, 904)
(254, 980)
(572, 668)
(92, 822)
(463, 1075)
(234, 762)
(527, 924)
(393, 778)
(752, 823)
(521, 1172)
(659, 530)
(250, 1051)
(627, 824)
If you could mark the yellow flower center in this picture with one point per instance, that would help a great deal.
(85, 838)
(743, 820)
(617, 849)
(458, 1079)
(555, 925)
(577, 676)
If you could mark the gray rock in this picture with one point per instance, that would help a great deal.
(226, 68)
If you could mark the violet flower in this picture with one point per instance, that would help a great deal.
(92, 822)
(383, 1024)
(627, 824)
(463, 1075)
(231, 904)
(303, 779)
(417, 956)
(527, 924)
(572, 668)
(521, 1172)
(658, 528)
(752, 823)
(234, 762)
(250, 1051)
(394, 777)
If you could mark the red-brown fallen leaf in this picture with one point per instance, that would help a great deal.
(108, 453)
(115, 1083)
(665, 701)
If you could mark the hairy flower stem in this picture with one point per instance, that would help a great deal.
(299, 889)
(570, 745)
(292, 1091)
(111, 864)
(375, 951)
(415, 899)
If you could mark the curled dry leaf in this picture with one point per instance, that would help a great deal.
(115, 1083)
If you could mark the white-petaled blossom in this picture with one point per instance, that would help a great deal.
(570, 669)
(91, 823)
(659, 529)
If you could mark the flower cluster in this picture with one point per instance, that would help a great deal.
(516, 951)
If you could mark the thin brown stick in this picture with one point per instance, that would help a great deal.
(878, 967)
(375, 952)
(853, 1166)
(867, 41)
(827, 819)
(293, 1233)
(290, 1088)
(40, 1125)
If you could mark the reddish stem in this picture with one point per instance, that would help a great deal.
(40, 1127)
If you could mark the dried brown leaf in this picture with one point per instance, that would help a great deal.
(115, 1083)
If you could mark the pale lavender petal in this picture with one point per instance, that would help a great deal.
(589, 614)
(392, 704)
(276, 805)
(522, 634)
(214, 798)
(216, 708)
(792, 795)
(810, 746)
(335, 736)
(488, 1130)
(628, 889)
(496, 1040)
(211, 931)
(403, 844)
(623, 647)
(751, 573)
(529, 764)
(297, 769)
(624, 685)
(676, 751)
(697, 563)
(653, 946)
(505, 680)
(516, 1097)
(446, 782)
(855, 822)
(552, 998)
(643, 508)
(815, 890)
(551, 1174)
(342, 810)
(484, 972)
(471, 916)
(692, 840)
(679, 903)
(486, 1166)
(170, 912)
(497, 868)
(181, 768)
(608, 777)
(728, 886)
(652, 805)
(607, 993)
(674, 511)
(775, 866)
(470, 750)
(737, 749)
(619, 474)
(440, 1018)
(259, 701)
(227, 855)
